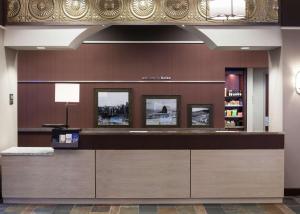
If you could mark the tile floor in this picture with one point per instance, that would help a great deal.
(291, 205)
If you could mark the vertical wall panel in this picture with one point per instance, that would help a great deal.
(126, 62)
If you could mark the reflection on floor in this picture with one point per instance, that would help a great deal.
(291, 205)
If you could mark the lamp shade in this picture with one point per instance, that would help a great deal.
(67, 93)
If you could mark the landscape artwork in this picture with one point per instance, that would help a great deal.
(200, 115)
(161, 111)
(113, 108)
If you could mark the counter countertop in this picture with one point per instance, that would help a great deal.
(28, 151)
(153, 131)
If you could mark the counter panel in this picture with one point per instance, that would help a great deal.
(237, 174)
(66, 174)
(142, 174)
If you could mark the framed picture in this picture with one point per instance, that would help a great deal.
(161, 111)
(113, 107)
(200, 115)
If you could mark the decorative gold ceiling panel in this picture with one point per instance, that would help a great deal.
(95, 12)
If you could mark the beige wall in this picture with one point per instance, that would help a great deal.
(8, 85)
(291, 107)
(275, 90)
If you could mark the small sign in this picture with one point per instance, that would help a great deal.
(157, 78)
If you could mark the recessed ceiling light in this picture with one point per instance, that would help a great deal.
(182, 25)
(245, 48)
(40, 48)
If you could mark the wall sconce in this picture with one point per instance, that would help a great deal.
(226, 9)
(67, 93)
(297, 82)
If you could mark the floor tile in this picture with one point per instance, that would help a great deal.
(43, 209)
(129, 210)
(285, 209)
(295, 209)
(185, 210)
(81, 209)
(63, 209)
(291, 201)
(200, 209)
(214, 210)
(166, 210)
(270, 209)
(242, 208)
(14, 208)
(147, 209)
(101, 209)
(114, 210)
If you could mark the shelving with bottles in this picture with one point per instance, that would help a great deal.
(234, 99)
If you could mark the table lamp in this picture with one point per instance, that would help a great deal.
(67, 93)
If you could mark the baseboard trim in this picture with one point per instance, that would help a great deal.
(141, 201)
(291, 191)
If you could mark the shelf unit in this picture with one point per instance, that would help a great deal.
(235, 99)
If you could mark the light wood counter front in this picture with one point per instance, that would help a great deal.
(142, 174)
(66, 174)
(237, 173)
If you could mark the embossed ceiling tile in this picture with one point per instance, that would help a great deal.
(13, 8)
(143, 9)
(41, 9)
(75, 9)
(202, 8)
(251, 8)
(272, 9)
(176, 9)
(193, 12)
(109, 9)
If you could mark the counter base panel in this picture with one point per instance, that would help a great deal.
(143, 201)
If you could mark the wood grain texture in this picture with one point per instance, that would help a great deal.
(34, 139)
(142, 174)
(237, 174)
(133, 61)
(126, 62)
(66, 174)
(289, 13)
(36, 104)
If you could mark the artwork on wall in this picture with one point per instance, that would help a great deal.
(113, 107)
(200, 116)
(161, 111)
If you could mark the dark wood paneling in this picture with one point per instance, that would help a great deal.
(34, 139)
(133, 61)
(37, 106)
(291, 192)
(290, 15)
(2, 12)
(173, 141)
(179, 139)
(126, 62)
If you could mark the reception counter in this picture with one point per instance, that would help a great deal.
(129, 166)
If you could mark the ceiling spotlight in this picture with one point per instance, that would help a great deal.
(245, 48)
(41, 48)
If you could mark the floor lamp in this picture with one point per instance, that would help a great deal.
(67, 93)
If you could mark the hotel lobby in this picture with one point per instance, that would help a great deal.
(150, 106)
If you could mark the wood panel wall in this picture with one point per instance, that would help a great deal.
(125, 62)
(289, 13)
